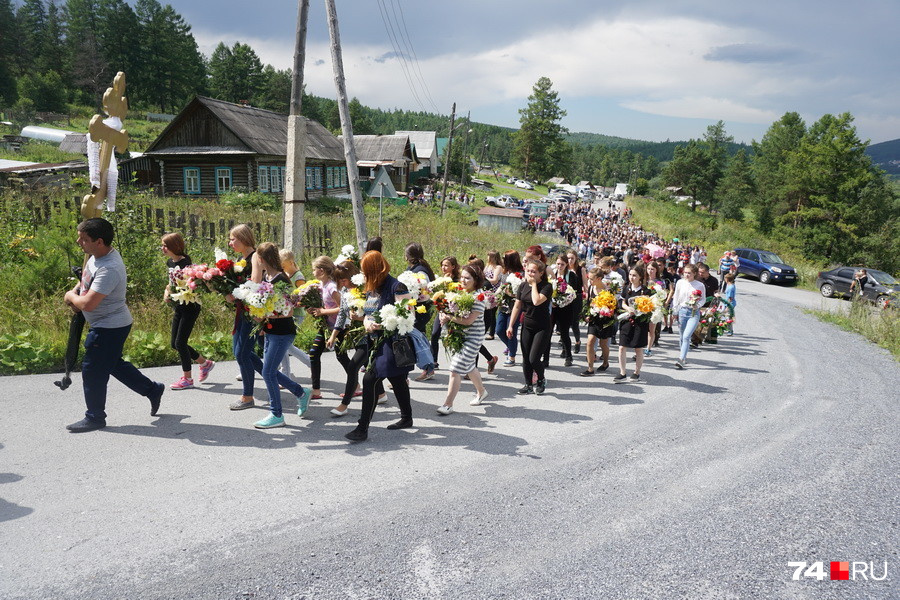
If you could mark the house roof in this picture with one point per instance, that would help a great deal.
(424, 141)
(501, 212)
(75, 165)
(382, 148)
(556, 181)
(263, 131)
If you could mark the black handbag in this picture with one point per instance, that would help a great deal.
(404, 353)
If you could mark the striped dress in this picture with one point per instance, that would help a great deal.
(464, 361)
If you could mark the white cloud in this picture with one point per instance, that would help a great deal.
(693, 107)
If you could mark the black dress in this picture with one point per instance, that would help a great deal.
(633, 334)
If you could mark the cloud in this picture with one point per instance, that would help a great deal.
(753, 53)
(692, 107)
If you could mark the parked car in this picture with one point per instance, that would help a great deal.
(766, 266)
(879, 288)
(552, 250)
(521, 183)
(503, 201)
(512, 179)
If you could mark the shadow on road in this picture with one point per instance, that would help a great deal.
(10, 511)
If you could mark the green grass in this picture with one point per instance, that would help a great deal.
(879, 326)
(40, 152)
(716, 235)
(35, 260)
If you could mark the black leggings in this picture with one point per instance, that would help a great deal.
(561, 320)
(435, 338)
(315, 359)
(490, 321)
(534, 343)
(354, 364)
(371, 381)
(577, 305)
(182, 325)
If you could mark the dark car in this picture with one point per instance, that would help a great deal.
(765, 266)
(879, 288)
(553, 250)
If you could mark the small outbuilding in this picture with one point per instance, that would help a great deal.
(502, 219)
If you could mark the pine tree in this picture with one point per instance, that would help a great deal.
(8, 92)
(769, 163)
(538, 143)
(737, 187)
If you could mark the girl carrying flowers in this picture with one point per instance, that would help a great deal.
(636, 308)
(323, 268)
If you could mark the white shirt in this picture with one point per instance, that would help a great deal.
(683, 291)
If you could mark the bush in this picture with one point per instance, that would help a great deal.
(22, 353)
(243, 198)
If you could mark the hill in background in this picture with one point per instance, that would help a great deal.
(887, 156)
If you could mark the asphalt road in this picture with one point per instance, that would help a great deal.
(779, 445)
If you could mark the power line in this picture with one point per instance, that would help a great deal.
(412, 51)
(394, 44)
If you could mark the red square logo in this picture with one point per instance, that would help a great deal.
(840, 571)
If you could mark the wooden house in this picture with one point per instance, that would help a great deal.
(393, 152)
(213, 146)
(428, 157)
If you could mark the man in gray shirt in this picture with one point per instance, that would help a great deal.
(100, 296)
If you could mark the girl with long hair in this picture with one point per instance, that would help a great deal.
(632, 333)
(595, 333)
(512, 265)
(449, 268)
(533, 302)
(492, 273)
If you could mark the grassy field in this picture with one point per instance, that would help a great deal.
(34, 267)
(879, 326)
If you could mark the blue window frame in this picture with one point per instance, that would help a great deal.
(276, 177)
(223, 179)
(191, 177)
(263, 176)
(309, 178)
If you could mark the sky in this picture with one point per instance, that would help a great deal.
(645, 69)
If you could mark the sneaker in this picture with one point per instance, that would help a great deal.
(381, 399)
(647, 352)
(478, 399)
(509, 362)
(357, 435)
(239, 405)
(525, 389)
(425, 375)
(155, 398)
(586, 373)
(636, 378)
(303, 401)
(620, 378)
(269, 422)
(444, 410)
(569, 362)
(603, 368)
(185, 383)
(679, 364)
(491, 364)
(205, 369)
(86, 425)
(540, 387)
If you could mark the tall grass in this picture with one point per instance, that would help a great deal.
(36, 255)
(881, 326)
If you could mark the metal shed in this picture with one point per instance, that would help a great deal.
(502, 219)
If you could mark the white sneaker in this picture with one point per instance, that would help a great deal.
(239, 378)
(381, 399)
(679, 364)
(445, 410)
(479, 399)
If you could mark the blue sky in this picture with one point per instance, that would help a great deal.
(645, 69)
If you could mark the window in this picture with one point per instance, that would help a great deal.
(276, 177)
(263, 174)
(329, 177)
(309, 178)
(223, 179)
(191, 180)
(342, 177)
(318, 177)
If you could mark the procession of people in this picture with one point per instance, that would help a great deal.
(614, 284)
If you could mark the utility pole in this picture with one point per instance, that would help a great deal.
(359, 215)
(294, 206)
(465, 167)
(447, 160)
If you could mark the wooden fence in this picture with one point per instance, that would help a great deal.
(154, 219)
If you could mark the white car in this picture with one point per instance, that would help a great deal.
(512, 180)
(524, 185)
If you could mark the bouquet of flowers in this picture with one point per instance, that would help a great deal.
(264, 300)
(659, 299)
(348, 252)
(308, 296)
(416, 283)
(695, 300)
(184, 283)
(443, 284)
(601, 310)
(227, 274)
(394, 319)
(614, 282)
(639, 309)
(717, 316)
(563, 293)
(455, 304)
(508, 291)
(488, 297)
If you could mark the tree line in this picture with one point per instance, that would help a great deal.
(813, 184)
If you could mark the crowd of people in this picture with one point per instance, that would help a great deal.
(600, 286)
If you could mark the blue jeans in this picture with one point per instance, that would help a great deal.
(512, 343)
(687, 322)
(275, 349)
(249, 363)
(102, 358)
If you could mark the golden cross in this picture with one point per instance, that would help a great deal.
(115, 105)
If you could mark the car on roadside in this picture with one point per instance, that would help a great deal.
(504, 201)
(512, 179)
(766, 266)
(521, 183)
(880, 288)
(552, 250)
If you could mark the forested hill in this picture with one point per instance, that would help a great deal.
(661, 151)
(886, 155)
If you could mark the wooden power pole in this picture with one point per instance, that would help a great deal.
(447, 160)
(359, 215)
(294, 208)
